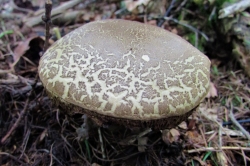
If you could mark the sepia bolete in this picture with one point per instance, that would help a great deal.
(127, 73)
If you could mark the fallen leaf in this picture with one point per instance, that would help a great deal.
(175, 134)
(194, 137)
(22, 48)
(183, 125)
(192, 124)
(170, 136)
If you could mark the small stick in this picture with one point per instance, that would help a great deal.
(189, 27)
(57, 11)
(51, 155)
(161, 21)
(17, 121)
(23, 112)
(101, 142)
(47, 20)
(218, 149)
(236, 123)
(13, 157)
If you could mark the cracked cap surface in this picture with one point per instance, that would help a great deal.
(126, 69)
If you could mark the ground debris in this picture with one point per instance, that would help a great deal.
(33, 131)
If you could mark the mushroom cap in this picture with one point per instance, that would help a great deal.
(127, 70)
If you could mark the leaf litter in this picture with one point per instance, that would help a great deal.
(46, 135)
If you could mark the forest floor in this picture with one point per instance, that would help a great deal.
(34, 131)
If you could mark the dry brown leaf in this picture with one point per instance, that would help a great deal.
(21, 48)
(183, 125)
(194, 137)
(192, 124)
(29, 50)
(175, 134)
(170, 136)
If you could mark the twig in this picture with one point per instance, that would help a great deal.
(237, 7)
(101, 142)
(12, 3)
(47, 20)
(202, 163)
(203, 135)
(81, 156)
(23, 112)
(161, 21)
(236, 123)
(239, 121)
(221, 156)
(5, 71)
(13, 157)
(25, 141)
(51, 155)
(196, 40)
(17, 121)
(56, 11)
(245, 157)
(133, 138)
(48, 152)
(18, 81)
(189, 27)
(218, 149)
(216, 122)
(116, 159)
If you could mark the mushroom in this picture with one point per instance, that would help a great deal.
(127, 73)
